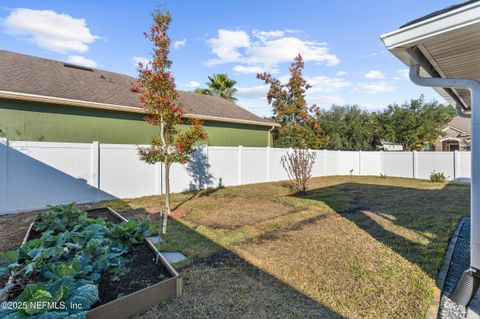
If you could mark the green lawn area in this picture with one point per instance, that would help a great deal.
(355, 247)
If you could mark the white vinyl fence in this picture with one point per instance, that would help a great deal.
(36, 174)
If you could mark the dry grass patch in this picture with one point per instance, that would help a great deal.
(333, 261)
(225, 286)
(234, 212)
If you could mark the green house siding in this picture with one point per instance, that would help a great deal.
(29, 121)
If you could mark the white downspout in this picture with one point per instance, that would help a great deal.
(474, 88)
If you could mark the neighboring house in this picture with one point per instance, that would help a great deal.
(46, 100)
(457, 135)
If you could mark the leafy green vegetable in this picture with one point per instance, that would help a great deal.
(130, 232)
(6, 259)
(58, 218)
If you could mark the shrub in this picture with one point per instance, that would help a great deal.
(438, 177)
(298, 165)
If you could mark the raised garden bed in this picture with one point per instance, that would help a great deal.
(143, 286)
(143, 281)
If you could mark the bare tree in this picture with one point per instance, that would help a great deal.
(298, 165)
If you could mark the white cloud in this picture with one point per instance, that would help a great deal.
(252, 92)
(273, 52)
(374, 88)
(374, 74)
(265, 35)
(268, 50)
(341, 73)
(140, 59)
(49, 30)
(192, 84)
(226, 46)
(179, 44)
(253, 69)
(325, 84)
(80, 60)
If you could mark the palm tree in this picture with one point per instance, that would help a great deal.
(220, 85)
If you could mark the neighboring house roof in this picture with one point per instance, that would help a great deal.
(37, 79)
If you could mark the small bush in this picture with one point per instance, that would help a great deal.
(438, 177)
(298, 165)
(383, 175)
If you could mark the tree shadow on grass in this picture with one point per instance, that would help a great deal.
(218, 283)
(415, 223)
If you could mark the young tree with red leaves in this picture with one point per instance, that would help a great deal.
(299, 125)
(160, 103)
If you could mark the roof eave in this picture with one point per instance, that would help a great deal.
(404, 41)
(412, 35)
(115, 107)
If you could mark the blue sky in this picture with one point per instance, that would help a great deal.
(345, 60)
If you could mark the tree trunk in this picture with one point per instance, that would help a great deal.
(167, 199)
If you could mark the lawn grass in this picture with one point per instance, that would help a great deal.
(356, 247)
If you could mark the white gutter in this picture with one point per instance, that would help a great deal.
(465, 291)
(414, 34)
(116, 107)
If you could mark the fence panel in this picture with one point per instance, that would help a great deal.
(277, 172)
(123, 175)
(224, 165)
(399, 164)
(318, 168)
(348, 163)
(443, 162)
(40, 174)
(464, 165)
(254, 165)
(371, 163)
(332, 163)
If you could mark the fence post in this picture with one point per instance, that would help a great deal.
(4, 145)
(95, 171)
(456, 164)
(382, 164)
(240, 150)
(325, 162)
(268, 163)
(415, 164)
(360, 163)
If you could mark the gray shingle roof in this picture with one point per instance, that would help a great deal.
(22, 73)
(461, 123)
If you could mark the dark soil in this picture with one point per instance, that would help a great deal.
(103, 213)
(141, 271)
(34, 234)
